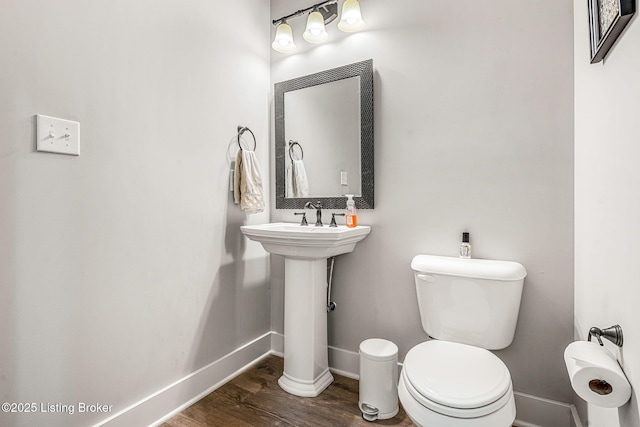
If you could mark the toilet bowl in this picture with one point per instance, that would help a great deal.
(448, 384)
(467, 307)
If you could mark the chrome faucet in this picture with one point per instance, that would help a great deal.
(318, 208)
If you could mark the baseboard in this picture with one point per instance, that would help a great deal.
(344, 362)
(163, 404)
(534, 411)
(575, 419)
(277, 344)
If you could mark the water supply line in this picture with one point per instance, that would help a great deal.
(330, 304)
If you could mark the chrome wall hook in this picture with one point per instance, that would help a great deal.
(613, 334)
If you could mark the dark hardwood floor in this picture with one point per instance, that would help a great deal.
(255, 399)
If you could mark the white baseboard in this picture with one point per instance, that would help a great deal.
(575, 419)
(163, 404)
(277, 344)
(532, 411)
(344, 362)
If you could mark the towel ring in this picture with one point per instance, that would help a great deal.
(241, 130)
(291, 144)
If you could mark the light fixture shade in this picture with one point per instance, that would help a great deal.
(283, 41)
(315, 32)
(351, 19)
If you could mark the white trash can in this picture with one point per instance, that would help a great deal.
(378, 379)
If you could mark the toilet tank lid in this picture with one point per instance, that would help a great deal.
(465, 267)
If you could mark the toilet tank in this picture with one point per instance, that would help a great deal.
(469, 301)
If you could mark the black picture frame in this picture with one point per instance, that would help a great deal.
(607, 19)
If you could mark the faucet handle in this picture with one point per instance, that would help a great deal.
(333, 219)
(304, 217)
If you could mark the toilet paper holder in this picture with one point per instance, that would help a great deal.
(613, 334)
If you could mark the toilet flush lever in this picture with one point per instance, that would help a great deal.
(613, 334)
(426, 278)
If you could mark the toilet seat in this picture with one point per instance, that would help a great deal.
(456, 379)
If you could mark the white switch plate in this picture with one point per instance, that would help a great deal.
(57, 135)
(343, 178)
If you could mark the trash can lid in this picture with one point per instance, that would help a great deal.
(378, 349)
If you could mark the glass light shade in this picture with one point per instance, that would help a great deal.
(315, 32)
(283, 41)
(351, 19)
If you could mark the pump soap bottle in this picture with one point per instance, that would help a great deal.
(465, 246)
(351, 215)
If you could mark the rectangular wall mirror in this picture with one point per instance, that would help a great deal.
(324, 138)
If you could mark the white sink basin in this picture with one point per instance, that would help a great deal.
(305, 250)
(305, 242)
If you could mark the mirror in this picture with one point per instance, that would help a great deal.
(324, 138)
(322, 134)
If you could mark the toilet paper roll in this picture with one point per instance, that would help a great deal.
(596, 375)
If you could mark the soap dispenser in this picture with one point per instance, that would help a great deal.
(465, 246)
(351, 215)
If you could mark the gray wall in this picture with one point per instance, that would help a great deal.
(473, 132)
(607, 206)
(123, 270)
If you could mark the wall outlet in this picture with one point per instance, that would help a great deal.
(343, 178)
(57, 135)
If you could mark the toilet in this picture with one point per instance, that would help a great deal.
(467, 307)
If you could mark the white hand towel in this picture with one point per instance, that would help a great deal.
(248, 183)
(300, 181)
(288, 182)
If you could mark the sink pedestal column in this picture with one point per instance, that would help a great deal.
(305, 251)
(306, 359)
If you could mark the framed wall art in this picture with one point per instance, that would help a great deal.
(607, 19)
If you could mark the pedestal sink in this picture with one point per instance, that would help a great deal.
(305, 249)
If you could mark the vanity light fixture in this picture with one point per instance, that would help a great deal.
(351, 19)
(315, 32)
(321, 14)
(283, 41)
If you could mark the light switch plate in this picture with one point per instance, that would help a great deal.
(57, 135)
(343, 178)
